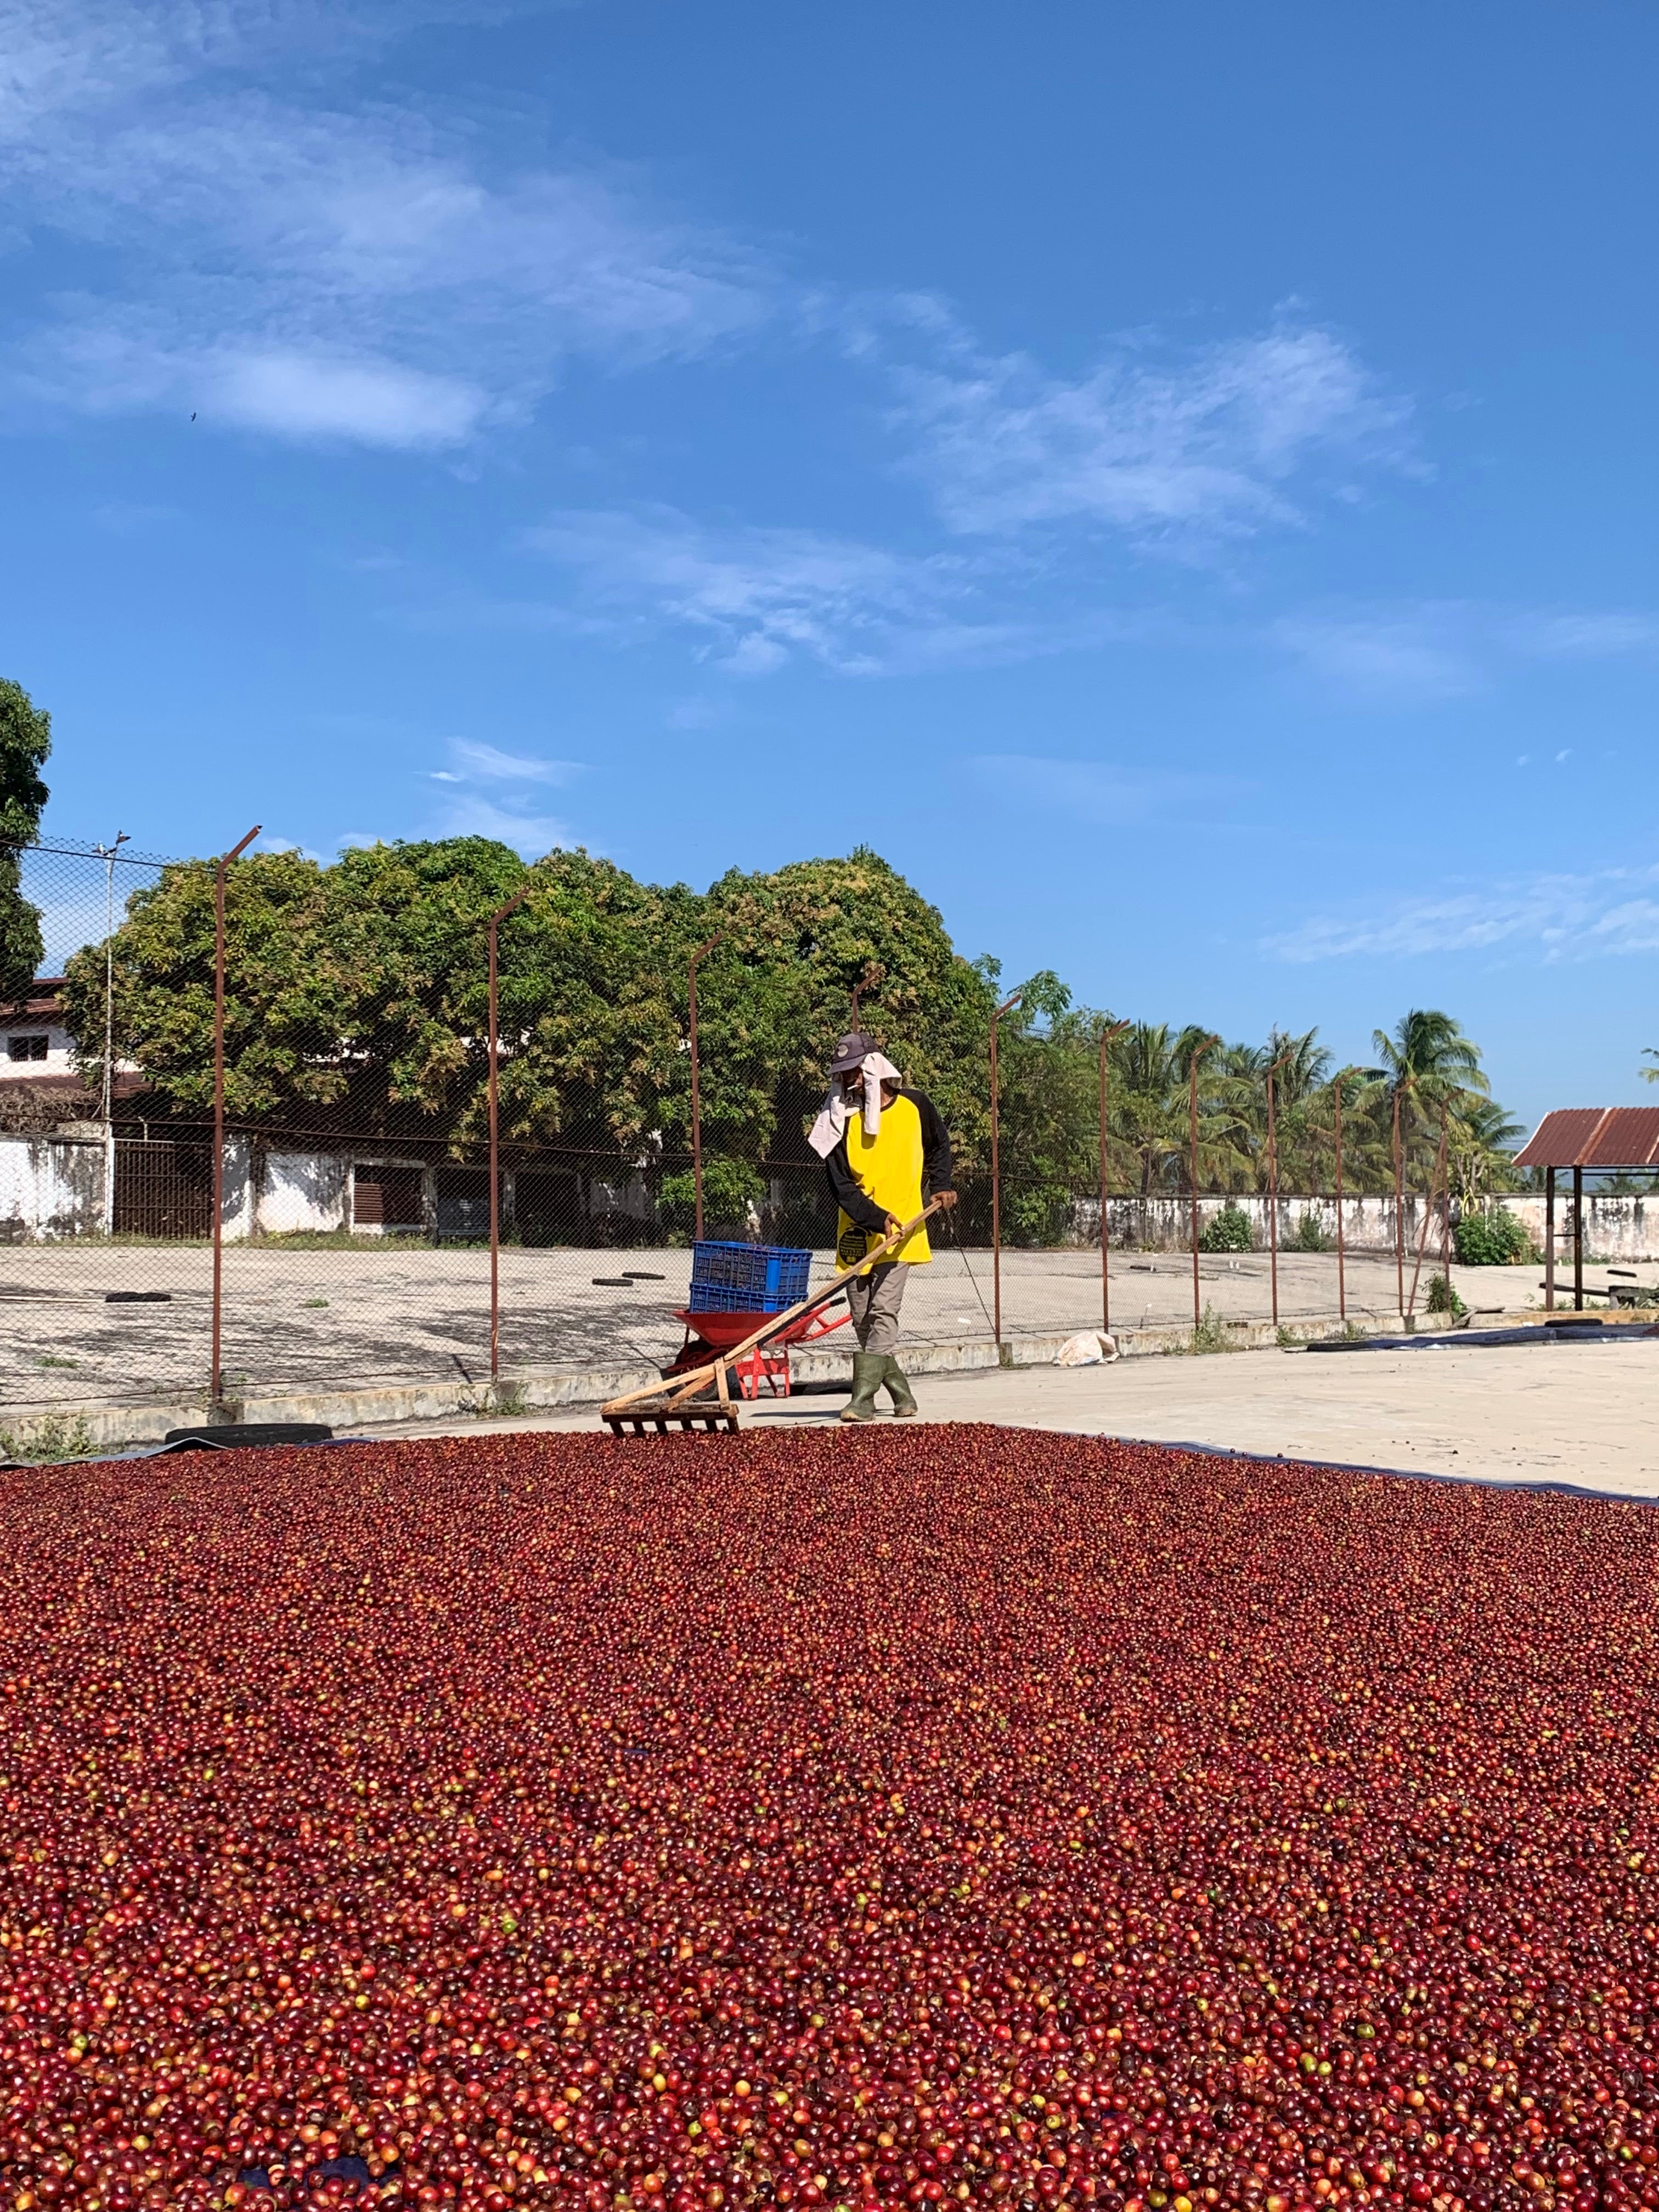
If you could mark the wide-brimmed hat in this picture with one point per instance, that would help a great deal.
(855, 1048)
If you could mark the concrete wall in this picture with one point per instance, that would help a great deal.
(51, 1187)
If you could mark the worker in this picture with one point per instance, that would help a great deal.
(884, 1147)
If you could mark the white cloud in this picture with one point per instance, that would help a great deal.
(1563, 917)
(507, 767)
(1436, 649)
(309, 397)
(367, 274)
(756, 598)
(1178, 453)
(1104, 795)
(474, 815)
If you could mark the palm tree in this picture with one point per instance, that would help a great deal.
(1301, 1071)
(1480, 1140)
(1427, 1064)
(1151, 1065)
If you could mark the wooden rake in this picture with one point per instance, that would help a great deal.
(656, 1409)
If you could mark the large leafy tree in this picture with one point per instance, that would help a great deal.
(25, 742)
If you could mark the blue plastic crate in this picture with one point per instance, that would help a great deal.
(746, 1278)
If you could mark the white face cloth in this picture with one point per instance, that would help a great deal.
(836, 1112)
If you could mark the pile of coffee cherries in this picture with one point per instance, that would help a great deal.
(957, 1817)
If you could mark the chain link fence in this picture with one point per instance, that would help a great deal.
(354, 1218)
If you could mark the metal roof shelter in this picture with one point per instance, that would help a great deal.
(1602, 1138)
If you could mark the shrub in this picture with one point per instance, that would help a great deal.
(53, 1437)
(1211, 1333)
(1444, 1299)
(1229, 1231)
(1309, 1236)
(1493, 1240)
(728, 1186)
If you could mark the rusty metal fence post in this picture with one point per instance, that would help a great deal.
(996, 1181)
(1106, 1037)
(696, 1090)
(1399, 1216)
(1341, 1280)
(1198, 1052)
(1272, 1187)
(214, 1390)
(495, 921)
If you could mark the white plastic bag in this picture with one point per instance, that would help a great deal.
(1087, 1349)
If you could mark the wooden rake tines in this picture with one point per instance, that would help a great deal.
(645, 1420)
(651, 1412)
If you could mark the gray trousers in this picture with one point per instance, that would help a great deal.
(875, 1300)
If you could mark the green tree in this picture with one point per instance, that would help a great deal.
(1427, 1065)
(25, 742)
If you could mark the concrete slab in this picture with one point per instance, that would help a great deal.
(313, 1318)
(1562, 1413)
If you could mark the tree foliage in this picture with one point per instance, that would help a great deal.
(357, 1002)
(25, 742)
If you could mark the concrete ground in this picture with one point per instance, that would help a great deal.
(1576, 1413)
(296, 1317)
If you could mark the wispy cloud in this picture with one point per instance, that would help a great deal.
(1562, 917)
(1104, 794)
(756, 598)
(507, 808)
(1429, 650)
(1175, 452)
(497, 767)
(370, 274)
(475, 815)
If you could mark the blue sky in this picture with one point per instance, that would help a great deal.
(1179, 481)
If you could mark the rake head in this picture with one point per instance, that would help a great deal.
(657, 1420)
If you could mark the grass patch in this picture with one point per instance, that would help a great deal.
(54, 1437)
(499, 1401)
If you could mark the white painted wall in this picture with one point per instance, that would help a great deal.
(303, 1190)
(51, 1187)
(1616, 1229)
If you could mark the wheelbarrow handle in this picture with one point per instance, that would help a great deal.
(691, 1385)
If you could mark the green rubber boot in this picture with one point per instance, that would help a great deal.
(869, 1368)
(898, 1388)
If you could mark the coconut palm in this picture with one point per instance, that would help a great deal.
(1150, 1064)
(1426, 1065)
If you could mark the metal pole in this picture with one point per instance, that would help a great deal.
(1578, 1240)
(1272, 1187)
(696, 1092)
(1428, 1209)
(495, 921)
(109, 853)
(996, 1181)
(1341, 1278)
(235, 854)
(1106, 1037)
(1399, 1217)
(1192, 1138)
(1549, 1240)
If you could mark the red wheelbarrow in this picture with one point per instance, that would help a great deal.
(688, 1405)
(709, 1335)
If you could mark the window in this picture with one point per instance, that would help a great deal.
(27, 1047)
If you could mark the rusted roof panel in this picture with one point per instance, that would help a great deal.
(1594, 1137)
(1629, 1137)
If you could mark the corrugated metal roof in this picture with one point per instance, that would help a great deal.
(1594, 1137)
